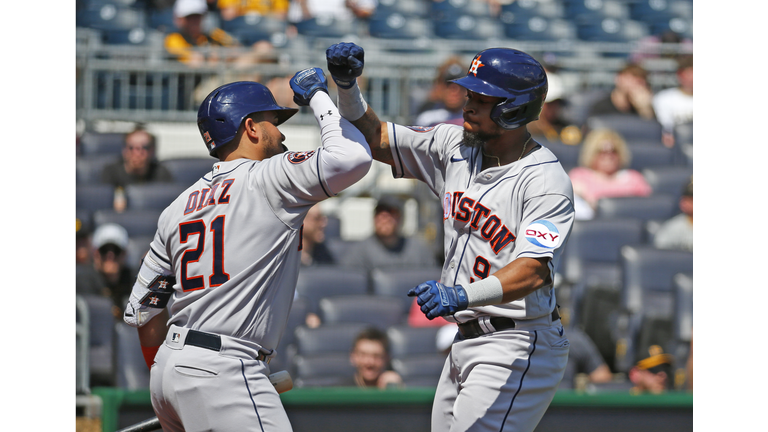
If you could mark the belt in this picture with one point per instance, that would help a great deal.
(211, 341)
(472, 329)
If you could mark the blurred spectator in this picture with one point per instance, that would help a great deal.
(313, 248)
(136, 165)
(83, 243)
(602, 170)
(387, 246)
(677, 232)
(652, 374)
(230, 9)
(552, 124)
(664, 45)
(111, 278)
(370, 356)
(344, 10)
(281, 89)
(631, 95)
(584, 358)
(445, 103)
(674, 106)
(194, 46)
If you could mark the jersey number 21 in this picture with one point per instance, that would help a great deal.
(197, 228)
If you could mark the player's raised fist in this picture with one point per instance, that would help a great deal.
(306, 83)
(345, 63)
(437, 299)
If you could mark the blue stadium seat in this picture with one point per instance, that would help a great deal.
(136, 222)
(252, 28)
(92, 143)
(412, 8)
(538, 28)
(328, 338)
(136, 36)
(568, 155)
(386, 282)
(132, 372)
(653, 207)
(378, 311)
(651, 155)
(612, 30)
(326, 26)
(651, 11)
(94, 197)
(419, 370)
(153, 196)
(681, 26)
(440, 10)
(187, 170)
(109, 17)
(406, 341)
(668, 179)
(101, 327)
(683, 317)
(468, 27)
(327, 370)
(630, 127)
(315, 283)
(592, 11)
(162, 20)
(89, 168)
(396, 25)
(520, 10)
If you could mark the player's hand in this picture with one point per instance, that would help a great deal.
(306, 83)
(345, 63)
(437, 299)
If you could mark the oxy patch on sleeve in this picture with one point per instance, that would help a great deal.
(543, 233)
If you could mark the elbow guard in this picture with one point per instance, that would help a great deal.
(150, 295)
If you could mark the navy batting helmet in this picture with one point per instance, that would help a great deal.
(222, 111)
(510, 74)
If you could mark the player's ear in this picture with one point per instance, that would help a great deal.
(251, 129)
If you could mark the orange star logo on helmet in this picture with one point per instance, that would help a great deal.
(476, 64)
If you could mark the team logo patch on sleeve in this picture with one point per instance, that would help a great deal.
(299, 157)
(543, 233)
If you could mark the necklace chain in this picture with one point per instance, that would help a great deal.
(498, 161)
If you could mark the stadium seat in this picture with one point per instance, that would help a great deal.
(684, 133)
(109, 17)
(326, 26)
(251, 28)
(537, 28)
(647, 300)
(89, 168)
(521, 10)
(413, 8)
(651, 11)
(136, 222)
(683, 318)
(406, 341)
(93, 143)
(657, 206)
(132, 372)
(378, 311)
(652, 155)
(187, 170)
(162, 20)
(137, 248)
(136, 36)
(101, 340)
(396, 282)
(326, 370)
(333, 228)
(592, 253)
(315, 283)
(468, 27)
(419, 370)
(82, 323)
(94, 197)
(681, 26)
(440, 10)
(153, 196)
(568, 155)
(286, 349)
(591, 11)
(396, 25)
(631, 127)
(612, 30)
(326, 339)
(668, 179)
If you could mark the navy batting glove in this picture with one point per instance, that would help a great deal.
(437, 299)
(345, 63)
(306, 83)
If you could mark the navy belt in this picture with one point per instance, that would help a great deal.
(210, 341)
(472, 329)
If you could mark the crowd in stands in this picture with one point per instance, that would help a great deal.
(605, 161)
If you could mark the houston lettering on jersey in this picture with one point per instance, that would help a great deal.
(479, 217)
(199, 199)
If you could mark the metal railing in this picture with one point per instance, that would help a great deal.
(142, 83)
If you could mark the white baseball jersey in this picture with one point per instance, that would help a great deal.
(233, 238)
(491, 218)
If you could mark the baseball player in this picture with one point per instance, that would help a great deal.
(507, 212)
(226, 257)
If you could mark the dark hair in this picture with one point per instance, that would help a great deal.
(374, 334)
(141, 130)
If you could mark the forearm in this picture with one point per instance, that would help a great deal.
(153, 333)
(376, 135)
(515, 281)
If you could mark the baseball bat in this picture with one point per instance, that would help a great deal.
(281, 380)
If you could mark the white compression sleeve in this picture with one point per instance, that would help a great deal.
(484, 292)
(352, 105)
(347, 157)
(135, 314)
